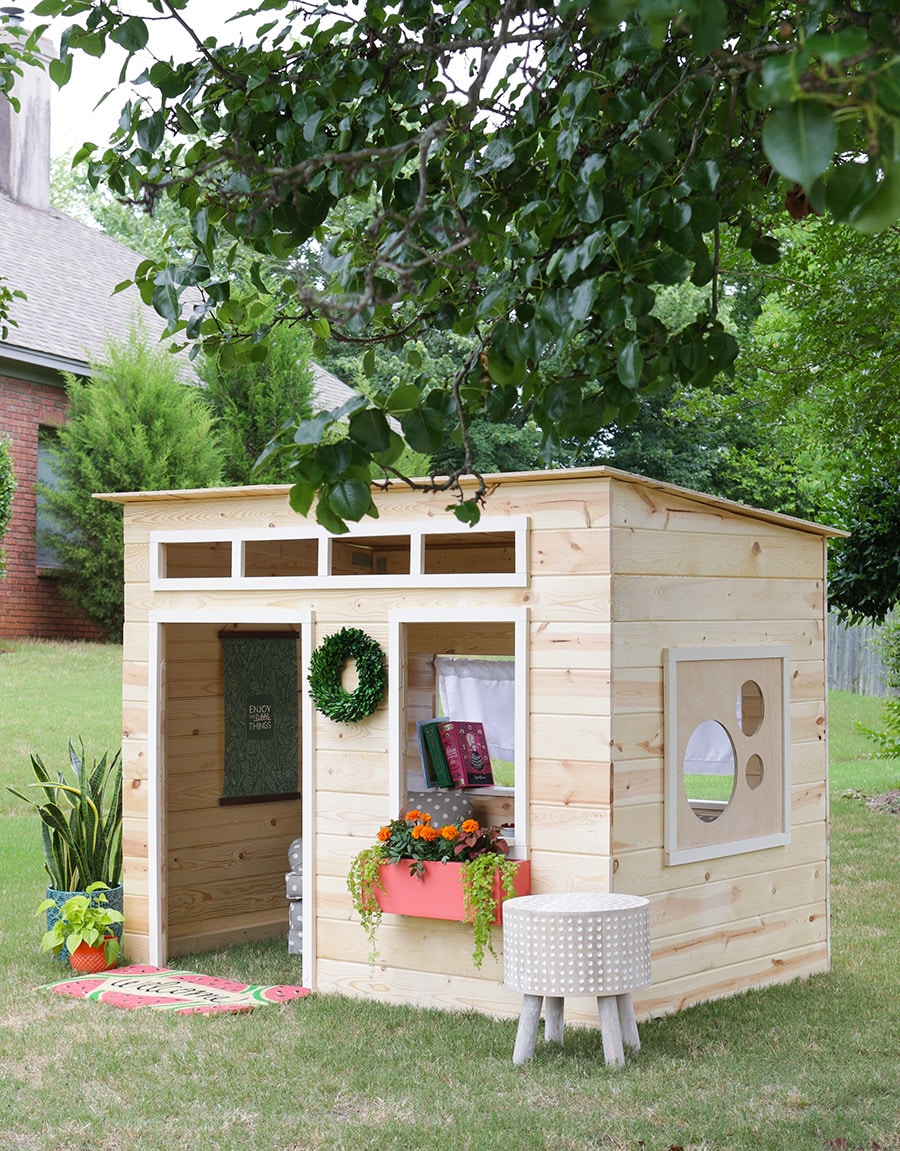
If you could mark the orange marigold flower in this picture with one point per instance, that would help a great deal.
(429, 834)
(449, 832)
(384, 835)
(469, 825)
(412, 816)
(417, 831)
(425, 817)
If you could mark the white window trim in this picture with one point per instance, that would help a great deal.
(397, 621)
(417, 535)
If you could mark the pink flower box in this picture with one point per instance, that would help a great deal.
(439, 893)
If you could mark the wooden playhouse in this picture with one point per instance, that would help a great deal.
(661, 644)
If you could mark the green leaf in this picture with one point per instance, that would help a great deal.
(334, 459)
(132, 35)
(800, 141)
(312, 431)
(588, 201)
(403, 399)
(370, 429)
(60, 71)
(151, 131)
(166, 301)
(882, 208)
(780, 82)
(186, 121)
(583, 297)
(847, 187)
(327, 518)
(349, 498)
(766, 250)
(393, 452)
(709, 27)
(467, 512)
(629, 364)
(423, 429)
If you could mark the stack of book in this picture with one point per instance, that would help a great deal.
(454, 753)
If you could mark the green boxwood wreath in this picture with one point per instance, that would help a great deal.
(327, 664)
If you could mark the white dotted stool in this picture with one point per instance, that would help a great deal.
(579, 943)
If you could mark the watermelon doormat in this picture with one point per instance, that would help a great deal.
(164, 989)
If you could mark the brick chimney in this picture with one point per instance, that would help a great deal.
(25, 135)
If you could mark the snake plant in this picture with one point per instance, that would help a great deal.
(81, 820)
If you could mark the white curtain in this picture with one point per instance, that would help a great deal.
(709, 750)
(481, 690)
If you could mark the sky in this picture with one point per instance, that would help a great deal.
(74, 115)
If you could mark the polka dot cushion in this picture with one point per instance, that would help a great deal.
(443, 806)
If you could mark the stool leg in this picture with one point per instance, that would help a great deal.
(627, 1021)
(553, 1018)
(528, 1028)
(611, 1030)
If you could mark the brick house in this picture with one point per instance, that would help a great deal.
(68, 272)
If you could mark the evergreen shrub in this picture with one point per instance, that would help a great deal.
(7, 491)
(132, 426)
(250, 402)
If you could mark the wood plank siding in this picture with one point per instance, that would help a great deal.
(587, 578)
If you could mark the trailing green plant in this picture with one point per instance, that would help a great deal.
(132, 426)
(478, 877)
(887, 737)
(81, 820)
(83, 919)
(363, 880)
(7, 491)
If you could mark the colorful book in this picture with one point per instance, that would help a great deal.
(467, 753)
(434, 759)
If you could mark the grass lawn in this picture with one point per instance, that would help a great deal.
(789, 1068)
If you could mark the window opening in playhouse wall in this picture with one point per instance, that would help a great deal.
(486, 552)
(274, 558)
(467, 672)
(727, 751)
(370, 556)
(197, 560)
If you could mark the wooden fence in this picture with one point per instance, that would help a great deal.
(854, 662)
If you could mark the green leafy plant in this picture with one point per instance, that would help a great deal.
(414, 840)
(133, 426)
(7, 491)
(81, 820)
(478, 877)
(887, 737)
(83, 919)
(363, 880)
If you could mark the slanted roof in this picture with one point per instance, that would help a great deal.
(69, 273)
(328, 391)
(497, 481)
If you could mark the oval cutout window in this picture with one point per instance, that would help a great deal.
(751, 707)
(708, 770)
(754, 772)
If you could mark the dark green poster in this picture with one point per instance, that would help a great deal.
(261, 717)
